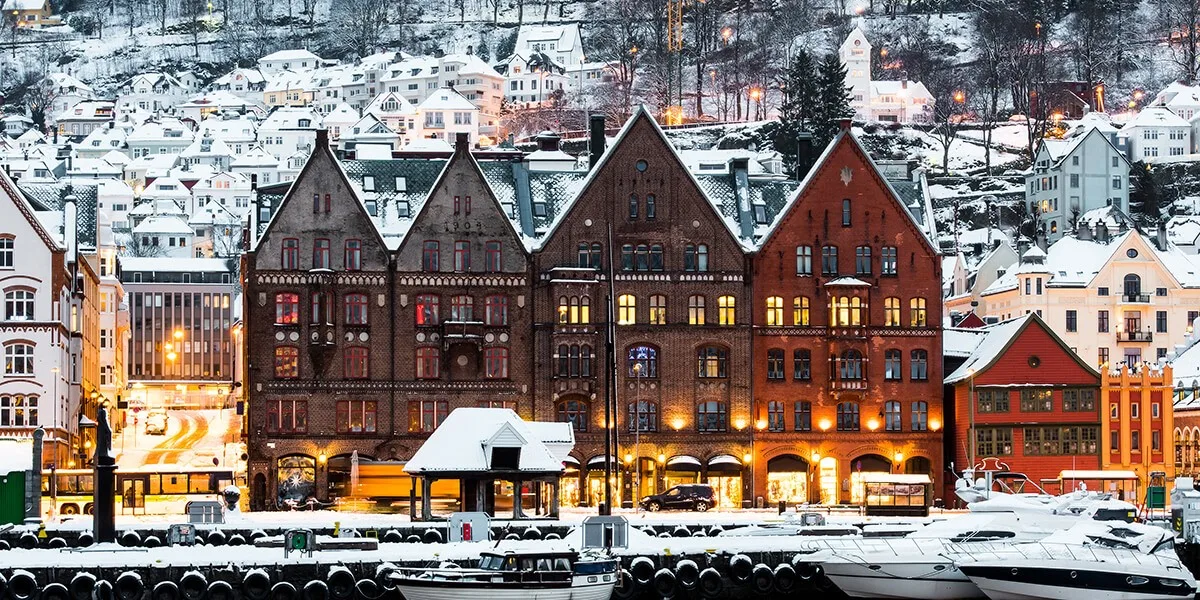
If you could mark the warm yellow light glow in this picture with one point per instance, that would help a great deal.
(677, 423)
(171, 356)
(760, 424)
(726, 33)
(739, 423)
(873, 424)
(960, 96)
(87, 444)
(628, 458)
(70, 464)
(138, 385)
(816, 457)
(178, 334)
(825, 424)
(662, 458)
(168, 346)
(755, 94)
(934, 424)
(899, 456)
(322, 458)
(746, 458)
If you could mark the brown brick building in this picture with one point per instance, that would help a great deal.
(486, 282)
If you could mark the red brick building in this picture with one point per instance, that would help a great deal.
(1031, 402)
(847, 337)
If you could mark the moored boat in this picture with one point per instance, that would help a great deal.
(515, 576)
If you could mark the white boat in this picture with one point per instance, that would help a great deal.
(515, 576)
(1071, 572)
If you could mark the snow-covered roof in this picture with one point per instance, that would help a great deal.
(63, 81)
(101, 110)
(207, 146)
(250, 75)
(255, 157)
(163, 224)
(446, 99)
(1155, 116)
(15, 455)
(1093, 120)
(24, 4)
(996, 340)
(166, 263)
(342, 114)
(1174, 88)
(289, 117)
(463, 440)
(297, 54)
(166, 187)
(961, 343)
(847, 281)
(856, 34)
(564, 35)
(167, 129)
(403, 106)
(219, 98)
(1184, 230)
(429, 145)
(914, 89)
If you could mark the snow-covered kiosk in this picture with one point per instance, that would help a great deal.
(480, 446)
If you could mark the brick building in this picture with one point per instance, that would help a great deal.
(847, 337)
(1035, 403)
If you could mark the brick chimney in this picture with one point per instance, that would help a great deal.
(462, 143)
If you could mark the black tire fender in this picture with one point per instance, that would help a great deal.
(664, 583)
(165, 590)
(710, 583)
(740, 568)
(762, 579)
(687, 573)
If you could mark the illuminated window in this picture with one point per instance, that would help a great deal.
(287, 308)
(695, 310)
(726, 310)
(287, 362)
(774, 311)
(712, 362)
(917, 312)
(427, 309)
(626, 309)
(658, 309)
(891, 312)
(800, 311)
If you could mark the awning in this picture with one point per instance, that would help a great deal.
(599, 460)
(724, 459)
(570, 462)
(684, 463)
(1099, 475)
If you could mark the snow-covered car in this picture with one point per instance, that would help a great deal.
(156, 423)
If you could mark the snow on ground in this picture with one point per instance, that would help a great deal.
(193, 438)
(964, 155)
(1013, 136)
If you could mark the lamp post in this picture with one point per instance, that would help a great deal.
(637, 433)
(54, 371)
(971, 417)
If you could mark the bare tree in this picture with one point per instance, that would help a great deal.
(142, 247)
(361, 23)
(1179, 23)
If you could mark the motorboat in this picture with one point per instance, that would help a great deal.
(1073, 572)
(513, 575)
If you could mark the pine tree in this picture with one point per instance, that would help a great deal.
(799, 104)
(833, 99)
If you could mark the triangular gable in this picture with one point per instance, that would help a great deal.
(971, 321)
(506, 436)
(1144, 248)
(10, 189)
(991, 351)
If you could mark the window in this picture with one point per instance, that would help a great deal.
(920, 416)
(633, 207)
(711, 416)
(428, 363)
(846, 213)
(462, 256)
(1072, 321)
(850, 366)
(1135, 441)
(892, 416)
(430, 257)
(355, 366)
(589, 256)
(726, 310)
(290, 259)
(574, 412)
(802, 364)
(18, 305)
(1101, 291)
(658, 309)
(774, 311)
(496, 311)
(642, 362)
(775, 416)
(712, 362)
(287, 362)
(862, 260)
(803, 260)
(1160, 321)
(643, 415)
(887, 261)
(427, 309)
(775, 364)
(7, 252)
(1037, 400)
(917, 316)
(424, 416)
(892, 366)
(287, 416)
(462, 205)
(353, 256)
(626, 309)
(650, 207)
(574, 360)
(803, 416)
(320, 254)
(491, 257)
(801, 315)
(18, 411)
(356, 309)
(993, 441)
(356, 416)
(992, 401)
(847, 416)
(695, 258)
(829, 260)
(1079, 400)
(1055, 441)
(695, 310)
(845, 311)
(462, 308)
(1102, 321)
(495, 363)
(574, 310)
(1135, 410)
(316, 198)
(891, 312)
(919, 365)
(656, 257)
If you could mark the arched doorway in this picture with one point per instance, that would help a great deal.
(296, 479)
(725, 475)
(787, 479)
(867, 463)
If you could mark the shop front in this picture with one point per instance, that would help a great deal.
(296, 479)
(861, 468)
(645, 481)
(595, 480)
(725, 476)
(787, 479)
(827, 480)
(681, 470)
(568, 487)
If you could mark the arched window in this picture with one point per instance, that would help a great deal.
(585, 361)
(1133, 287)
(427, 309)
(847, 416)
(774, 311)
(846, 311)
(562, 360)
(643, 415)
(642, 362)
(642, 254)
(651, 207)
(726, 310)
(287, 362)
(775, 364)
(574, 412)
(920, 416)
(801, 316)
(862, 260)
(775, 421)
(892, 366)
(891, 416)
(626, 309)
(711, 416)
(658, 309)
(429, 365)
(695, 310)
(1053, 226)
(627, 257)
(656, 257)
(702, 258)
(850, 367)
(712, 362)
(18, 305)
(846, 212)
(891, 312)
(917, 309)
(803, 260)
(634, 208)
(919, 365)
(287, 308)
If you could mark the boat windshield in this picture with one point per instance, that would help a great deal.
(595, 567)
(497, 563)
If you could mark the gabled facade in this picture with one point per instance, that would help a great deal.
(1074, 176)
(847, 337)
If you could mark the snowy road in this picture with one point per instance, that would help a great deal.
(193, 438)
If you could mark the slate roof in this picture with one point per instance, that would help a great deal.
(45, 196)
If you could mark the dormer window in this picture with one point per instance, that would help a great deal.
(304, 123)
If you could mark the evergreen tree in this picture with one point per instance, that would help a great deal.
(799, 104)
(1147, 195)
(833, 99)
(483, 52)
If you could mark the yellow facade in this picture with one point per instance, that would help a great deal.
(1137, 401)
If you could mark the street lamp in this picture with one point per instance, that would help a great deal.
(726, 33)
(971, 422)
(637, 431)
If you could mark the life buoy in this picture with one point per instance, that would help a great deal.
(315, 590)
(193, 586)
(131, 539)
(740, 568)
(56, 591)
(256, 585)
(22, 585)
(220, 590)
(367, 589)
(664, 583)
(710, 583)
(165, 590)
(626, 587)
(687, 573)
(762, 579)
(129, 586)
(785, 578)
(340, 582)
(642, 569)
(283, 590)
(82, 585)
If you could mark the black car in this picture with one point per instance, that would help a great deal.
(693, 496)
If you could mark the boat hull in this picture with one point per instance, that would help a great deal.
(1090, 582)
(902, 581)
(438, 589)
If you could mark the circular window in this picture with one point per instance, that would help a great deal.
(1034, 362)
(642, 165)
(1131, 253)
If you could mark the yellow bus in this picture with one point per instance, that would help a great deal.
(153, 489)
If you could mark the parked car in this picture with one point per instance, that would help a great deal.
(156, 422)
(692, 496)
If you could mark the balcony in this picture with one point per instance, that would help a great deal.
(1135, 298)
(841, 385)
(1135, 336)
(459, 330)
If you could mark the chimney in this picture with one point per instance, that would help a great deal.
(548, 142)
(462, 143)
(70, 223)
(1083, 231)
(805, 154)
(254, 182)
(322, 137)
(1161, 235)
(596, 140)
(1102, 232)
(844, 124)
(1040, 238)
